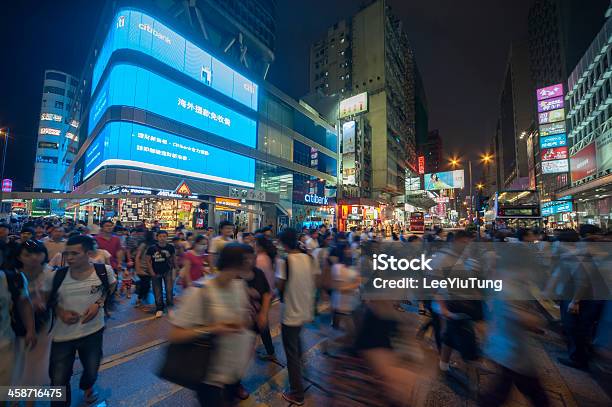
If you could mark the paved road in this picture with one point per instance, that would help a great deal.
(134, 338)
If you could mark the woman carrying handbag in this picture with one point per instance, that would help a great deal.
(210, 343)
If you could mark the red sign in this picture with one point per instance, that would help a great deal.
(7, 185)
(421, 164)
(556, 153)
(584, 163)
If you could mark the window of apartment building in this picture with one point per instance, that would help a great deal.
(56, 76)
(74, 82)
(59, 105)
(53, 89)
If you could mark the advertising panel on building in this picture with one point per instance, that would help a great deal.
(421, 164)
(353, 105)
(550, 91)
(555, 153)
(553, 167)
(551, 116)
(604, 151)
(136, 146)
(552, 128)
(137, 31)
(444, 180)
(584, 163)
(128, 85)
(348, 153)
(558, 140)
(550, 104)
(531, 162)
(554, 207)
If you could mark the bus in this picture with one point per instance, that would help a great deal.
(417, 222)
(514, 209)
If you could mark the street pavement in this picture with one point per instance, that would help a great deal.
(133, 348)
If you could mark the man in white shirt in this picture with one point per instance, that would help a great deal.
(55, 242)
(296, 277)
(226, 235)
(77, 294)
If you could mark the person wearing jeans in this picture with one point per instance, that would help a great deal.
(78, 295)
(296, 276)
(62, 360)
(162, 261)
(157, 280)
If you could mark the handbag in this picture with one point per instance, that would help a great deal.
(187, 364)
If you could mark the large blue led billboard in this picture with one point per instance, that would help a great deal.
(133, 145)
(132, 29)
(128, 85)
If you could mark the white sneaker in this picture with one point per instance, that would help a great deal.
(159, 314)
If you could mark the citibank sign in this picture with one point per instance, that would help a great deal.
(315, 199)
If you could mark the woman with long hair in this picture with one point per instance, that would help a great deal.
(142, 268)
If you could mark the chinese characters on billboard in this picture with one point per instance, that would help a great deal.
(421, 164)
(553, 140)
(444, 180)
(555, 153)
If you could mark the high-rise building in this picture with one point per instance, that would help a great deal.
(516, 115)
(243, 30)
(55, 131)
(162, 111)
(432, 152)
(559, 32)
(367, 63)
(589, 130)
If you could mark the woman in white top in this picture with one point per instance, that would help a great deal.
(219, 306)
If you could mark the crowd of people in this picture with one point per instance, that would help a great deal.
(62, 280)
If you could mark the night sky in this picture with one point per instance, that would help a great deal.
(461, 49)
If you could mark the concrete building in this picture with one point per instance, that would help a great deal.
(559, 32)
(55, 131)
(369, 57)
(432, 151)
(589, 129)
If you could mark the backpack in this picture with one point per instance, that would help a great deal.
(58, 279)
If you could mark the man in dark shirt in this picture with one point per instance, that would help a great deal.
(161, 259)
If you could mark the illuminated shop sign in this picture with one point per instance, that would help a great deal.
(71, 136)
(166, 98)
(554, 207)
(555, 153)
(552, 128)
(550, 104)
(316, 199)
(47, 144)
(131, 145)
(558, 140)
(48, 130)
(51, 117)
(45, 159)
(74, 123)
(139, 32)
(550, 92)
(553, 167)
(354, 105)
(421, 164)
(551, 116)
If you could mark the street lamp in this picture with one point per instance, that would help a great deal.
(5, 133)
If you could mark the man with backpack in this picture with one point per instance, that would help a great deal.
(76, 295)
(296, 276)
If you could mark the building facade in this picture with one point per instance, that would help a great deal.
(432, 152)
(559, 32)
(165, 112)
(589, 126)
(57, 127)
(369, 57)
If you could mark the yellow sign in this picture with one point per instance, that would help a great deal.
(183, 189)
(226, 204)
